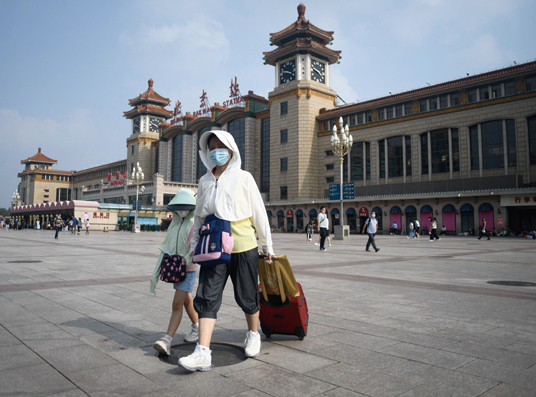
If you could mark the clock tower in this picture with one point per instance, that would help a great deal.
(301, 60)
(148, 113)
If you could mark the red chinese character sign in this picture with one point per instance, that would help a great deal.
(363, 211)
(290, 214)
(205, 105)
(500, 222)
(235, 94)
(177, 114)
(118, 178)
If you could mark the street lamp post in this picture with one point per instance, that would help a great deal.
(138, 177)
(341, 147)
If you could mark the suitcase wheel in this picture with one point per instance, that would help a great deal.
(266, 331)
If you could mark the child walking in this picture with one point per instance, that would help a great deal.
(177, 243)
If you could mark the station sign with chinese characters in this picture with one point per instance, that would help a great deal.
(517, 200)
(101, 215)
(117, 179)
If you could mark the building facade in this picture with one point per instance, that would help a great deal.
(459, 151)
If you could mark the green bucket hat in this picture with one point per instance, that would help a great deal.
(184, 200)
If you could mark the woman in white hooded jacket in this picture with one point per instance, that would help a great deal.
(231, 194)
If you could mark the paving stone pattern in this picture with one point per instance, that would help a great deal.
(415, 319)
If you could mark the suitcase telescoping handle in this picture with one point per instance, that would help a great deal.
(279, 281)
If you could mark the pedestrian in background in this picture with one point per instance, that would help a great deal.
(309, 230)
(323, 226)
(58, 223)
(411, 230)
(483, 230)
(433, 233)
(87, 226)
(371, 227)
(73, 227)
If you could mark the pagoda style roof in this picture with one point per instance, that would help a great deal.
(41, 171)
(39, 158)
(148, 109)
(302, 36)
(149, 96)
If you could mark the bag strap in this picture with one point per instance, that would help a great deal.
(263, 287)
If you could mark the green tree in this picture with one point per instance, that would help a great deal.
(5, 211)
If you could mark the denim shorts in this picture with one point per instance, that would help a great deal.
(188, 284)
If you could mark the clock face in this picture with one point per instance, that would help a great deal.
(136, 127)
(318, 72)
(287, 71)
(153, 124)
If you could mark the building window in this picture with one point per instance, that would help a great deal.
(509, 88)
(284, 108)
(484, 93)
(398, 111)
(132, 149)
(443, 101)
(492, 145)
(496, 91)
(423, 105)
(329, 153)
(46, 190)
(471, 96)
(440, 151)
(407, 109)
(360, 118)
(454, 99)
(201, 169)
(455, 150)
(395, 150)
(356, 161)
(237, 128)
(390, 112)
(531, 121)
(408, 155)
(381, 114)
(330, 179)
(46, 196)
(382, 158)
(156, 159)
(368, 117)
(265, 155)
(284, 164)
(433, 103)
(530, 83)
(283, 192)
(63, 194)
(284, 136)
(424, 154)
(331, 166)
(176, 158)
(353, 120)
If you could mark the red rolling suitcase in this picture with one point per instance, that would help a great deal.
(283, 314)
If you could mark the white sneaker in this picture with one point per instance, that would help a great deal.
(163, 346)
(330, 245)
(310, 239)
(316, 243)
(439, 239)
(199, 360)
(193, 336)
(253, 344)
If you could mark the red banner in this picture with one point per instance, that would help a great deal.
(363, 211)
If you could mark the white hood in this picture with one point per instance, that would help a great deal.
(233, 197)
(228, 140)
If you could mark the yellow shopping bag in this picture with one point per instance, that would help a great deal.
(277, 278)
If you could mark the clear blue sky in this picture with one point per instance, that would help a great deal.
(68, 67)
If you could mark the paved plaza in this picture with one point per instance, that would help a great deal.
(415, 319)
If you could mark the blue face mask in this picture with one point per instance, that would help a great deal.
(219, 156)
(373, 215)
